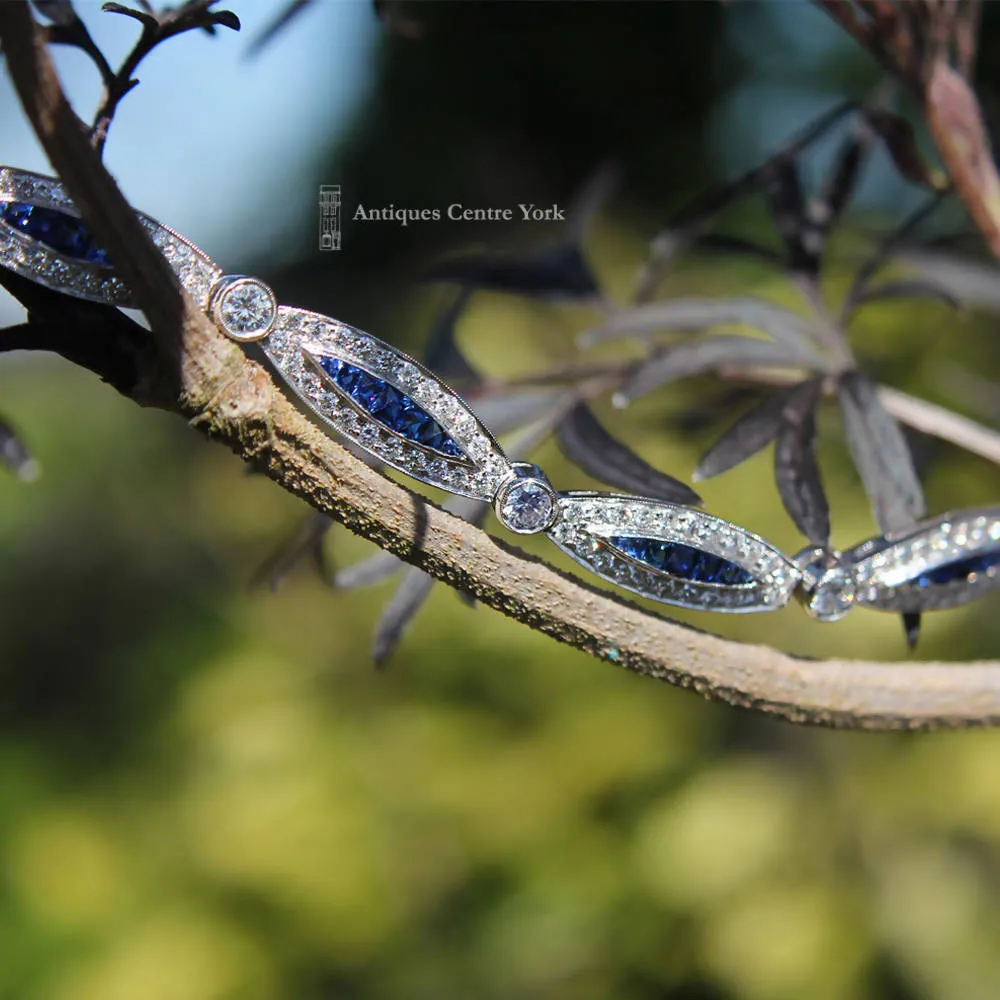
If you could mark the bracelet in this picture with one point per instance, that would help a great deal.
(393, 408)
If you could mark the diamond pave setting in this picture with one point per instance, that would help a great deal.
(938, 564)
(72, 263)
(588, 522)
(302, 341)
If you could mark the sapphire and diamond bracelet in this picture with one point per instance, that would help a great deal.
(400, 413)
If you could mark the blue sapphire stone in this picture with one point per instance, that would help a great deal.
(64, 233)
(683, 561)
(962, 569)
(390, 407)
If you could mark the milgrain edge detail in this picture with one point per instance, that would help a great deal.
(301, 337)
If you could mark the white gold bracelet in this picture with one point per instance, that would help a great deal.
(400, 413)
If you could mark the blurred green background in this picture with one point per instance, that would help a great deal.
(206, 792)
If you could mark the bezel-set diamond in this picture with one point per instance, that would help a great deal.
(826, 588)
(526, 503)
(394, 409)
(243, 307)
(588, 521)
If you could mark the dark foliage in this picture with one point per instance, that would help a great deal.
(587, 444)
(796, 471)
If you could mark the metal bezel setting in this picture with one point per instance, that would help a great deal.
(827, 585)
(230, 284)
(525, 475)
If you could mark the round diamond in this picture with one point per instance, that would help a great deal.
(526, 507)
(827, 585)
(245, 308)
(833, 595)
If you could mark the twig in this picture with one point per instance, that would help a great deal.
(156, 28)
(941, 423)
(234, 401)
(917, 413)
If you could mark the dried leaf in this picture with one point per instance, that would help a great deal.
(415, 588)
(587, 202)
(968, 16)
(796, 472)
(783, 191)
(713, 201)
(307, 542)
(142, 16)
(753, 431)
(695, 357)
(975, 283)
(782, 324)
(510, 411)
(394, 22)
(805, 225)
(559, 272)
(736, 245)
(192, 15)
(409, 597)
(14, 455)
(587, 444)
(911, 289)
(842, 180)
(901, 144)
(693, 220)
(368, 572)
(227, 19)
(442, 354)
(880, 454)
(534, 434)
(283, 19)
(888, 247)
(955, 121)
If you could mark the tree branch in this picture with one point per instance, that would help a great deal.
(193, 370)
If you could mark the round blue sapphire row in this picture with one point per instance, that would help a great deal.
(390, 407)
(64, 233)
(960, 570)
(683, 561)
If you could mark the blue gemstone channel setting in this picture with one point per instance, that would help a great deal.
(390, 407)
(961, 569)
(683, 561)
(64, 233)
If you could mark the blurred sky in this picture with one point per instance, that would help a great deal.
(215, 145)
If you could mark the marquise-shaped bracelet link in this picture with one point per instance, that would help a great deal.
(393, 408)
